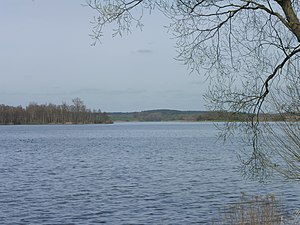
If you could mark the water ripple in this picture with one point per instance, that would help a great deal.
(121, 174)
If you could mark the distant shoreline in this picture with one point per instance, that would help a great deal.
(70, 115)
(75, 113)
(34, 124)
(166, 115)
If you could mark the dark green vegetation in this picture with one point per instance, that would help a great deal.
(176, 115)
(76, 113)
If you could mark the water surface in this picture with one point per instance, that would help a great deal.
(127, 173)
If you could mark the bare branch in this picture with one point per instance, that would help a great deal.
(248, 49)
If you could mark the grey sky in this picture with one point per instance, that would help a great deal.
(46, 56)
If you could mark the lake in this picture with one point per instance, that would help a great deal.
(124, 173)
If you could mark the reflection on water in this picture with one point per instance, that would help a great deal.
(131, 173)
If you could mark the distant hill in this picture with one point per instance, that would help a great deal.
(177, 115)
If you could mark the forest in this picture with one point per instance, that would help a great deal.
(76, 113)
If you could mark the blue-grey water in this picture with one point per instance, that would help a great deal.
(129, 173)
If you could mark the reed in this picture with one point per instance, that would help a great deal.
(262, 210)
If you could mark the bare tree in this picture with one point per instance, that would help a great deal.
(249, 50)
(51, 114)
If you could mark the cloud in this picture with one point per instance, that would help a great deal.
(93, 91)
(172, 91)
(11, 93)
(144, 51)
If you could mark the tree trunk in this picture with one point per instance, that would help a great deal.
(291, 17)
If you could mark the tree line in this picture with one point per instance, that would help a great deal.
(76, 113)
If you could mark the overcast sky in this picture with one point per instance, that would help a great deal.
(46, 56)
